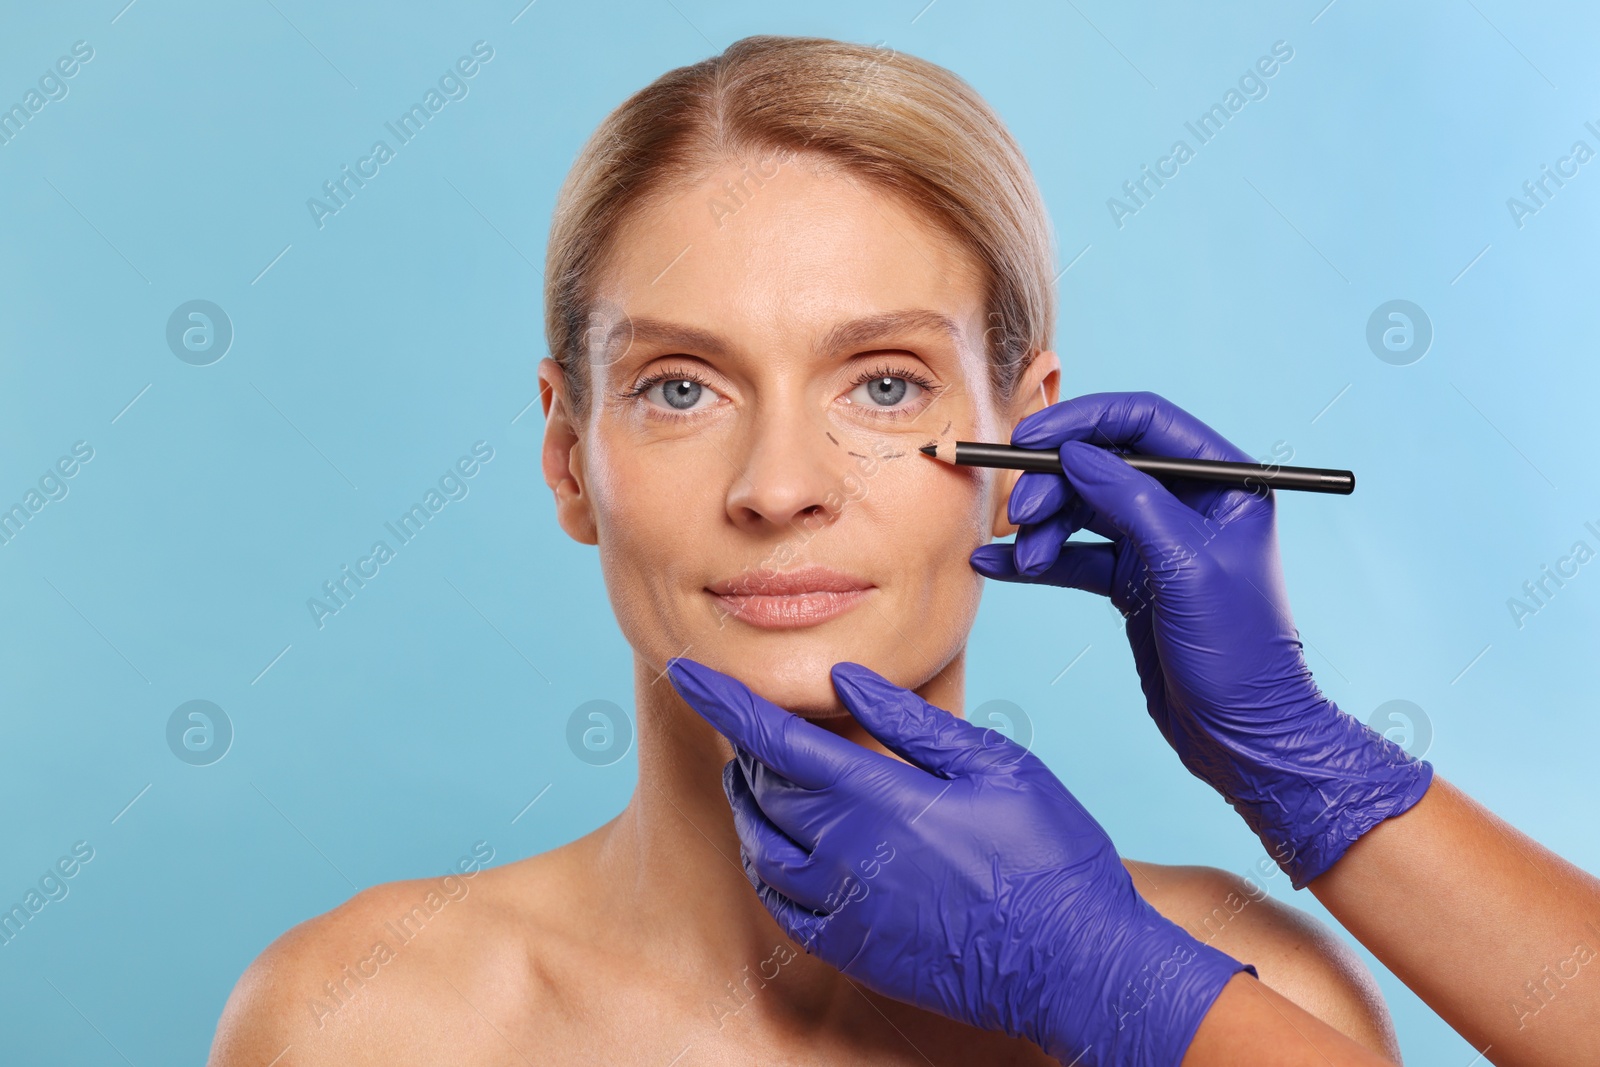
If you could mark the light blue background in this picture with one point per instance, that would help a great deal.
(426, 715)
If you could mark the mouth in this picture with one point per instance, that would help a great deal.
(806, 596)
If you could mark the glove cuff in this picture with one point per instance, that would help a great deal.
(1309, 811)
(1146, 1014)
(1360, 807)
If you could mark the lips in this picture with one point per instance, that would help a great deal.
(805, 596)
(813, 579)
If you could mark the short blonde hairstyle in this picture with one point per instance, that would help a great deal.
(904, 125)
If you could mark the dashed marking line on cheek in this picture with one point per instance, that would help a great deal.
(858, 455)
(832, 438)
(947, 427)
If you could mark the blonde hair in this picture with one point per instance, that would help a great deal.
(902, 124)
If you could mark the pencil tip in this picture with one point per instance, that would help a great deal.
(929, 450)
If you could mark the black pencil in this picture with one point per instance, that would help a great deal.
(1247, 475)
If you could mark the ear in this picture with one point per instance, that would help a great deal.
(1039, 387)
(562, 456)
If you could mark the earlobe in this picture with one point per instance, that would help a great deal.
(561, 457)
(1039, 388)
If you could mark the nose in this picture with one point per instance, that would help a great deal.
(791, 473)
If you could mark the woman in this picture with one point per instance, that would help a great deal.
(771, 277)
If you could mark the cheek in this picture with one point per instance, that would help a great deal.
(637, 486)
(647, 508)
(932, 518)
(634, 501)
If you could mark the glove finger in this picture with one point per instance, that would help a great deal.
(769, 854)
(802, 925)
(1132, 589)
(1081, 565)
(1036, 494)
(926, 736)
(1148, 423)
(1141, 638)
(1140, 422)
(801, 751)
(1034, 501)
(1163, 529)
(1038, 544)
(1085, 517)
(806, 816)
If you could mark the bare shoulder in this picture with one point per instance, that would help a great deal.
(422, 970)
(1293, 952)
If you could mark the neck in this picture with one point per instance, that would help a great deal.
(674, 854)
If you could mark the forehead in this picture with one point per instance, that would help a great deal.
(761, 249)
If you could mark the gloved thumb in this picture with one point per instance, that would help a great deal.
(1086, 565)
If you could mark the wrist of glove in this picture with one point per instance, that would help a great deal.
(1310, 799)
(1145, 1006)
(966, 880)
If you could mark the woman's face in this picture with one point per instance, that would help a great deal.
(768, 354)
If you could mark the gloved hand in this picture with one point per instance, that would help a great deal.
(968, 882)
(1194, 570)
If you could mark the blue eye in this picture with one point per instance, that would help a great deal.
(676, 393)
(681, 393)
(886, 391)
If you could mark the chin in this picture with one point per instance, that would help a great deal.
(812, 697)
(797, 680)
(820, 711)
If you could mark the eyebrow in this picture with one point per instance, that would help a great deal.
(844, 335)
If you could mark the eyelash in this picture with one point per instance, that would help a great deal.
(669, 374)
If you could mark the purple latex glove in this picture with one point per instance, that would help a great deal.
(1193, 567)
(968, 881)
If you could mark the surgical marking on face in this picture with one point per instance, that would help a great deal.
(891, 455)
(858, 455)
(946, 428)
(832, 438)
